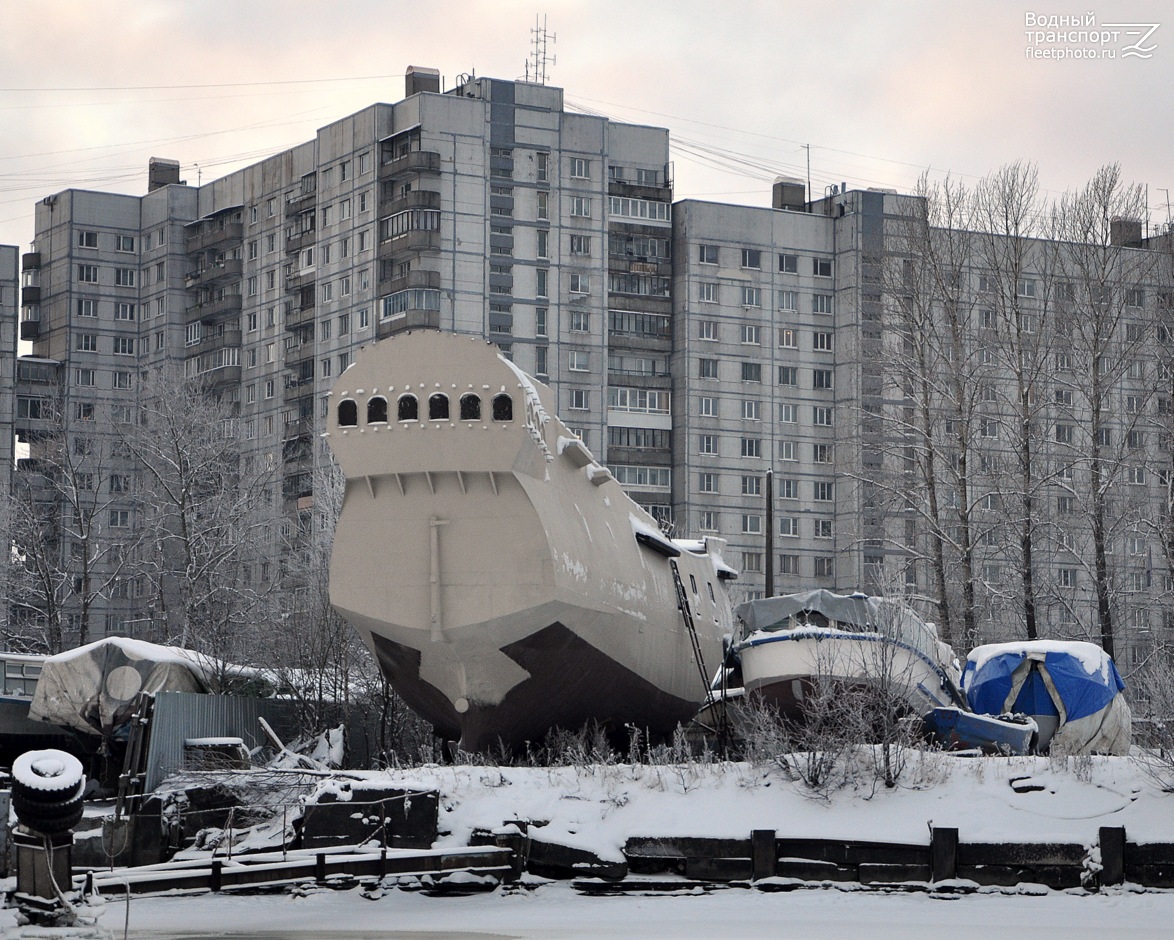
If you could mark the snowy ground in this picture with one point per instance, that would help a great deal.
(599, 807)
(557, 911)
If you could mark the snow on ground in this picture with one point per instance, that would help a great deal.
(557, 911)
(597, 807)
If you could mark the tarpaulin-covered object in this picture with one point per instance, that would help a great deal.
(92, 688)
(1071, 686)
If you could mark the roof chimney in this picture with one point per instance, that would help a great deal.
(161, 172)
(417, 79)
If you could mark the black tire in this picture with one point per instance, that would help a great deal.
(59, 809)
(62, 795)
(51, 826)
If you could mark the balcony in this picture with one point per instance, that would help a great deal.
(228, 339)
(226, 306)
(297, 430)
(409, 281)
(30, 322)
(214, 234)
(217, 273)
(299, 318)
(298, 204)
(415, 161)
(300, 240)
(411, 319)
(415, 240)
(30, 261)
(30, 295)
(416, 199)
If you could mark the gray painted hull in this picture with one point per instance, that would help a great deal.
(503, 579)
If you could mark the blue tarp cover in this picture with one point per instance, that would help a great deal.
(987, 682)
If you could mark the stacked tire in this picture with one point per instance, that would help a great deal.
(47, 791)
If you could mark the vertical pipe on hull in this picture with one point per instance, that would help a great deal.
(434, 525)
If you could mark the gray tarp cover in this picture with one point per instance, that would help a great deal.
(871, 614)
(91, 688)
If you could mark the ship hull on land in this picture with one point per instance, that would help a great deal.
(500, 575)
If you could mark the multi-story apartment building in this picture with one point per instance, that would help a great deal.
(694, 345)
(487, 210)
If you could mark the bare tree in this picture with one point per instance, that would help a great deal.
(936, 369)
(69, 520)
(211, 528)
(1097, 262)
(1006, 208)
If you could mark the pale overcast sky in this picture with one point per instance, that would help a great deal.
(880, 90)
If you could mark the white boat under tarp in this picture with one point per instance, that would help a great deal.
(791, 642)
(92, 688)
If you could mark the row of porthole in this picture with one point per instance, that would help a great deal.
(407, 408)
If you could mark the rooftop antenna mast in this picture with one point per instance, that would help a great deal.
(536, 64)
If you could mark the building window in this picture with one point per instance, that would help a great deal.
(581, 207)
(580, 168)
(788, 564)
(821, 453)
(751, 447)
(124, 311)
(752, 409)
(825, 491)
(787, 450)
(87, 273)
(87, 239)
(707, 407)
(580, 399)
(751, 524)
(707, 368)
(789, 264)
(577, 361)
(706, 292)
(580, 321)
(823, 528)
(707, 482)
(707, 444)
(751, 486)
(580, 284)
(124, 346)
(822, 416)
(85, 342)
(789, 527)
(822, 267)
(541, 281)
(751, 297)
(120, 380)
(124, 277)
(788, 414)
(787, 339)
(707, 521)
(752, 258)
(788, 300)
(543, 171)
(822, 378)
(751, 371)
(788, 488)
(823, 342)
(825, 567)
(752, 561)
(707, 330)
(707, 254)
(821, 303)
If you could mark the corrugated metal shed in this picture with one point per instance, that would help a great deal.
(178, 716)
